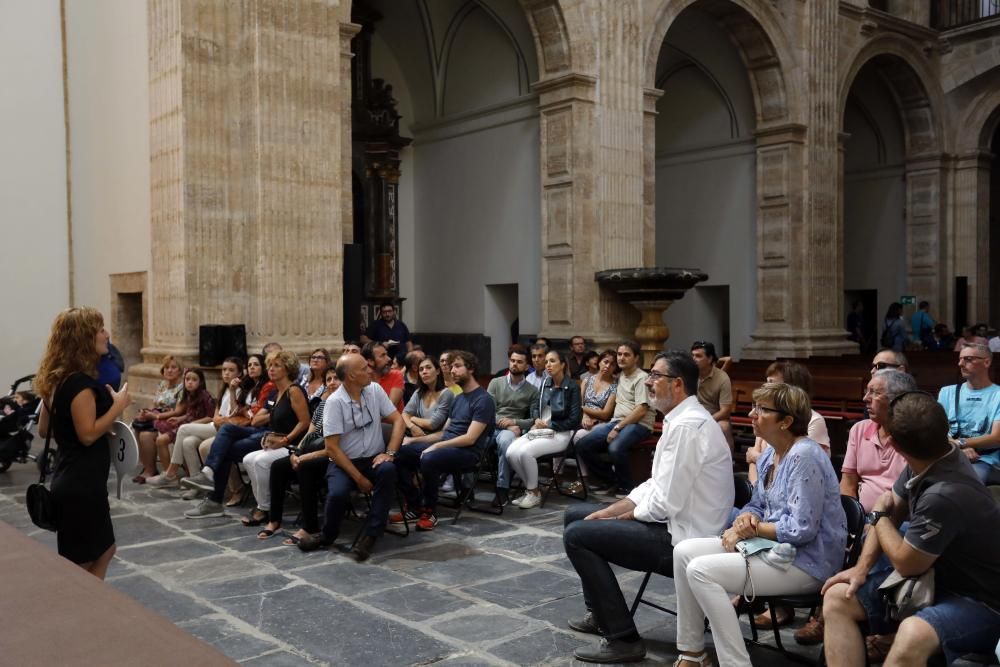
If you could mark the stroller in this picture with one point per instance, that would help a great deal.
(16, 423)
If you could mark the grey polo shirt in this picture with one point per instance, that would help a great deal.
(358, 423)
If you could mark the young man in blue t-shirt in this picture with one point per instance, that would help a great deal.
(974, 422)
(454, 450)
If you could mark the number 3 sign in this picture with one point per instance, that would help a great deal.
(124, 451)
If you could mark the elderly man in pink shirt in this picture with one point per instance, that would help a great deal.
(871, 465)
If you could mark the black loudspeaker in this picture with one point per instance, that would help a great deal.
(218, 341)
(353, 289)
(961, 304)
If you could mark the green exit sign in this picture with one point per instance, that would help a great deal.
(908, 300)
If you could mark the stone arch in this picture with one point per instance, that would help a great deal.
(901, 66)
(552, 42)
(905, 71)
(759, 36)
(978, 124)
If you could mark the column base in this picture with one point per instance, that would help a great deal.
(799, 344)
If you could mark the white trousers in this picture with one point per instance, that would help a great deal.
(523, 454)
(705, 576)
(185, 447)
(258, 467)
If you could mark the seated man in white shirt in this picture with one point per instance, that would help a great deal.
(690, 494)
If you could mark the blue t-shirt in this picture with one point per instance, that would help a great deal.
(921, 325)
(977, 411)
(468, 407)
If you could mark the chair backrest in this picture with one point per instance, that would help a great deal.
(855, 529)
(744, 491)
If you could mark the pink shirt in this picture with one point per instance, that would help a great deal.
(878, 464)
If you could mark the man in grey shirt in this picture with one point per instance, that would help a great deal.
(358, 458)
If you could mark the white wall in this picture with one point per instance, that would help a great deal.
(33, 252)
(874, 193)
(478, 220)
(706, 180)
(108, 55)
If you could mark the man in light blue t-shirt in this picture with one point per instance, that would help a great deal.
(921, 323)
(975, 425)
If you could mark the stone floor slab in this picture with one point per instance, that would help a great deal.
(460, 572)
(526, 544)
(416, 602)
(539, 647)
(482, 627)
(175, 606)
(233, 642)
(138, 528)
(170, 551)
(350, 578)
(526, 590)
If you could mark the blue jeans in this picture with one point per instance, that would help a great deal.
(503, 439)
(986, 472)
(448, 460)
(962, 624)
(231, 444)
(339, 486)
(595, 443)
(593, 545)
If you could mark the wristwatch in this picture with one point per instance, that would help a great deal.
(391, 454)
(961, 443)
(873, 516)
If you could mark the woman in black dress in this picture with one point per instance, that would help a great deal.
(80, 412)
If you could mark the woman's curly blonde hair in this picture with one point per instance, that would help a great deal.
(71, 348)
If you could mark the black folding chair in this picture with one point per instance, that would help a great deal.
(855, 533)
(368, 502)
(743, 492)
(569, 453)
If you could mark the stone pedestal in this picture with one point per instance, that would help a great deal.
(650, 291)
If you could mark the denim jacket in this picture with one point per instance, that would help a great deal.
(565, 403)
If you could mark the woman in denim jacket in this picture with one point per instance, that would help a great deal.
(556, 416)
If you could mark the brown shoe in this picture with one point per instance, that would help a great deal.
(810, 633)
(877, 647)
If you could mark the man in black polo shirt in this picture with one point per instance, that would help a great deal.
(954, 527)
(388, 330)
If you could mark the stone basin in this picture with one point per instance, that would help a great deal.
(650, 290)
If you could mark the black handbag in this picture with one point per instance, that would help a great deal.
(38, 498)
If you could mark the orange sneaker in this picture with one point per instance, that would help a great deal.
(427, 521)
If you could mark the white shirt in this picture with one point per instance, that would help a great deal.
(691, 489)
(536, 379)
(994, 344)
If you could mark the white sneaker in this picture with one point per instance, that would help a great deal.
(448, 486)
(530, 500)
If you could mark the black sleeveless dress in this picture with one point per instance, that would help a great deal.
(80, 483)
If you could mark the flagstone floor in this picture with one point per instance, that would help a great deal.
(487, 590)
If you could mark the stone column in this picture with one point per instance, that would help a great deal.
(246, 173)
(971, 240)
(800, 268)
(595, 213)
(347, 33)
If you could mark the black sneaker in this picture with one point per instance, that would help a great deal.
(612, 651)
(621, 492)
(502, 498)
(585, 624)
(363, 549)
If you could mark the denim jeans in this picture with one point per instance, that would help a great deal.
(230, 446)
(592, 546)
(590, 447)
(338, 491)
(503, 439)
(448, 460)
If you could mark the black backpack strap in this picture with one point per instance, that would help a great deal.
(48, 440)
(958, 422)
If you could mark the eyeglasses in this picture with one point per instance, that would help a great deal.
(969, 359)
(762, 409)
(882, 365)
(656, 375)
(318, 357)
(364, 413)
